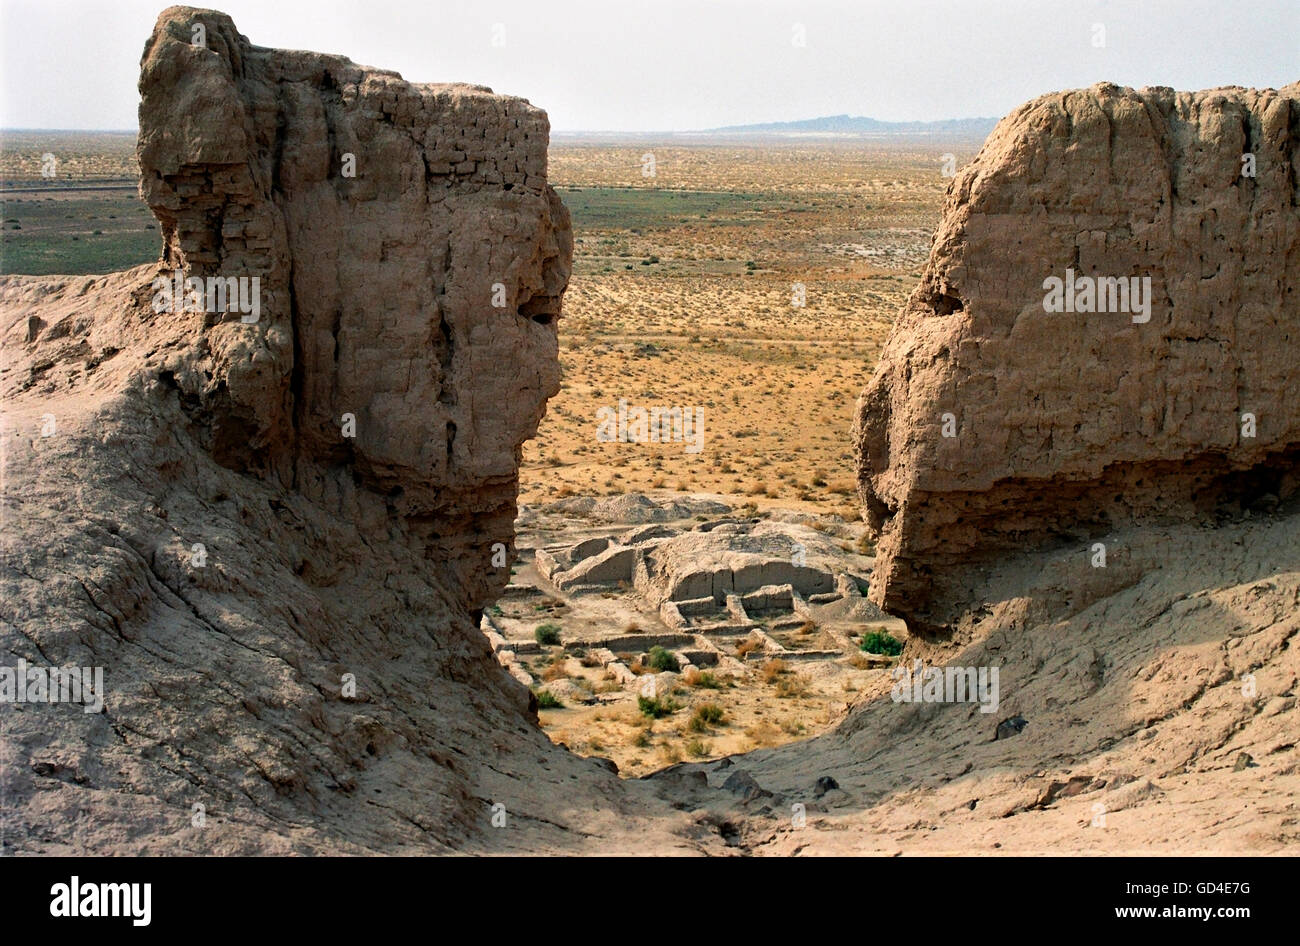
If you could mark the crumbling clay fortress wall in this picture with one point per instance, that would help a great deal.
(412, 260)
(1153, 691)
(993, 427)
(274, 535)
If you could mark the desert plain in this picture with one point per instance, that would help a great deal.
(753, 282)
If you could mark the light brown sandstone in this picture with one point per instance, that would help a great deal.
(1066, 426)
(324, 559)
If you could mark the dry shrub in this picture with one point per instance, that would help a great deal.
(795, 685)
(764, 734)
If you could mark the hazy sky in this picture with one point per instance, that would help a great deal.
(675, 65)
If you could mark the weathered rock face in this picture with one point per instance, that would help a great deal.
(411, 260)
(993, 426)
(282, 614)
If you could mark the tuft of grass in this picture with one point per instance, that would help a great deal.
(705, 680)
(697, 748)
(547, 634)
(706, 715)
(881, 642)
(655, 708)
(555, 671)
(788, 688)
(764, 734)
(773, 669)
(663, 660)
(547, 700)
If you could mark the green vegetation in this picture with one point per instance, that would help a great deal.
(880, 642)
(706, 715)
(663, 660)
(101, 232)
(651, 208)
(548, 635)
(547, 700)
(655, 708)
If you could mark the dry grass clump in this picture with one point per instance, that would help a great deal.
(702, 679)
(706, 716)
(764, 734)
(556, 671)
(792, 686)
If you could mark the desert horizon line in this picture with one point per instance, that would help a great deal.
(719, 129)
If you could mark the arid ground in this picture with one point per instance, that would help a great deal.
(752, 283)
(683, 294)
(1152, 701)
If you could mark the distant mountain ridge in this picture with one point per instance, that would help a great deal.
(858, 125)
